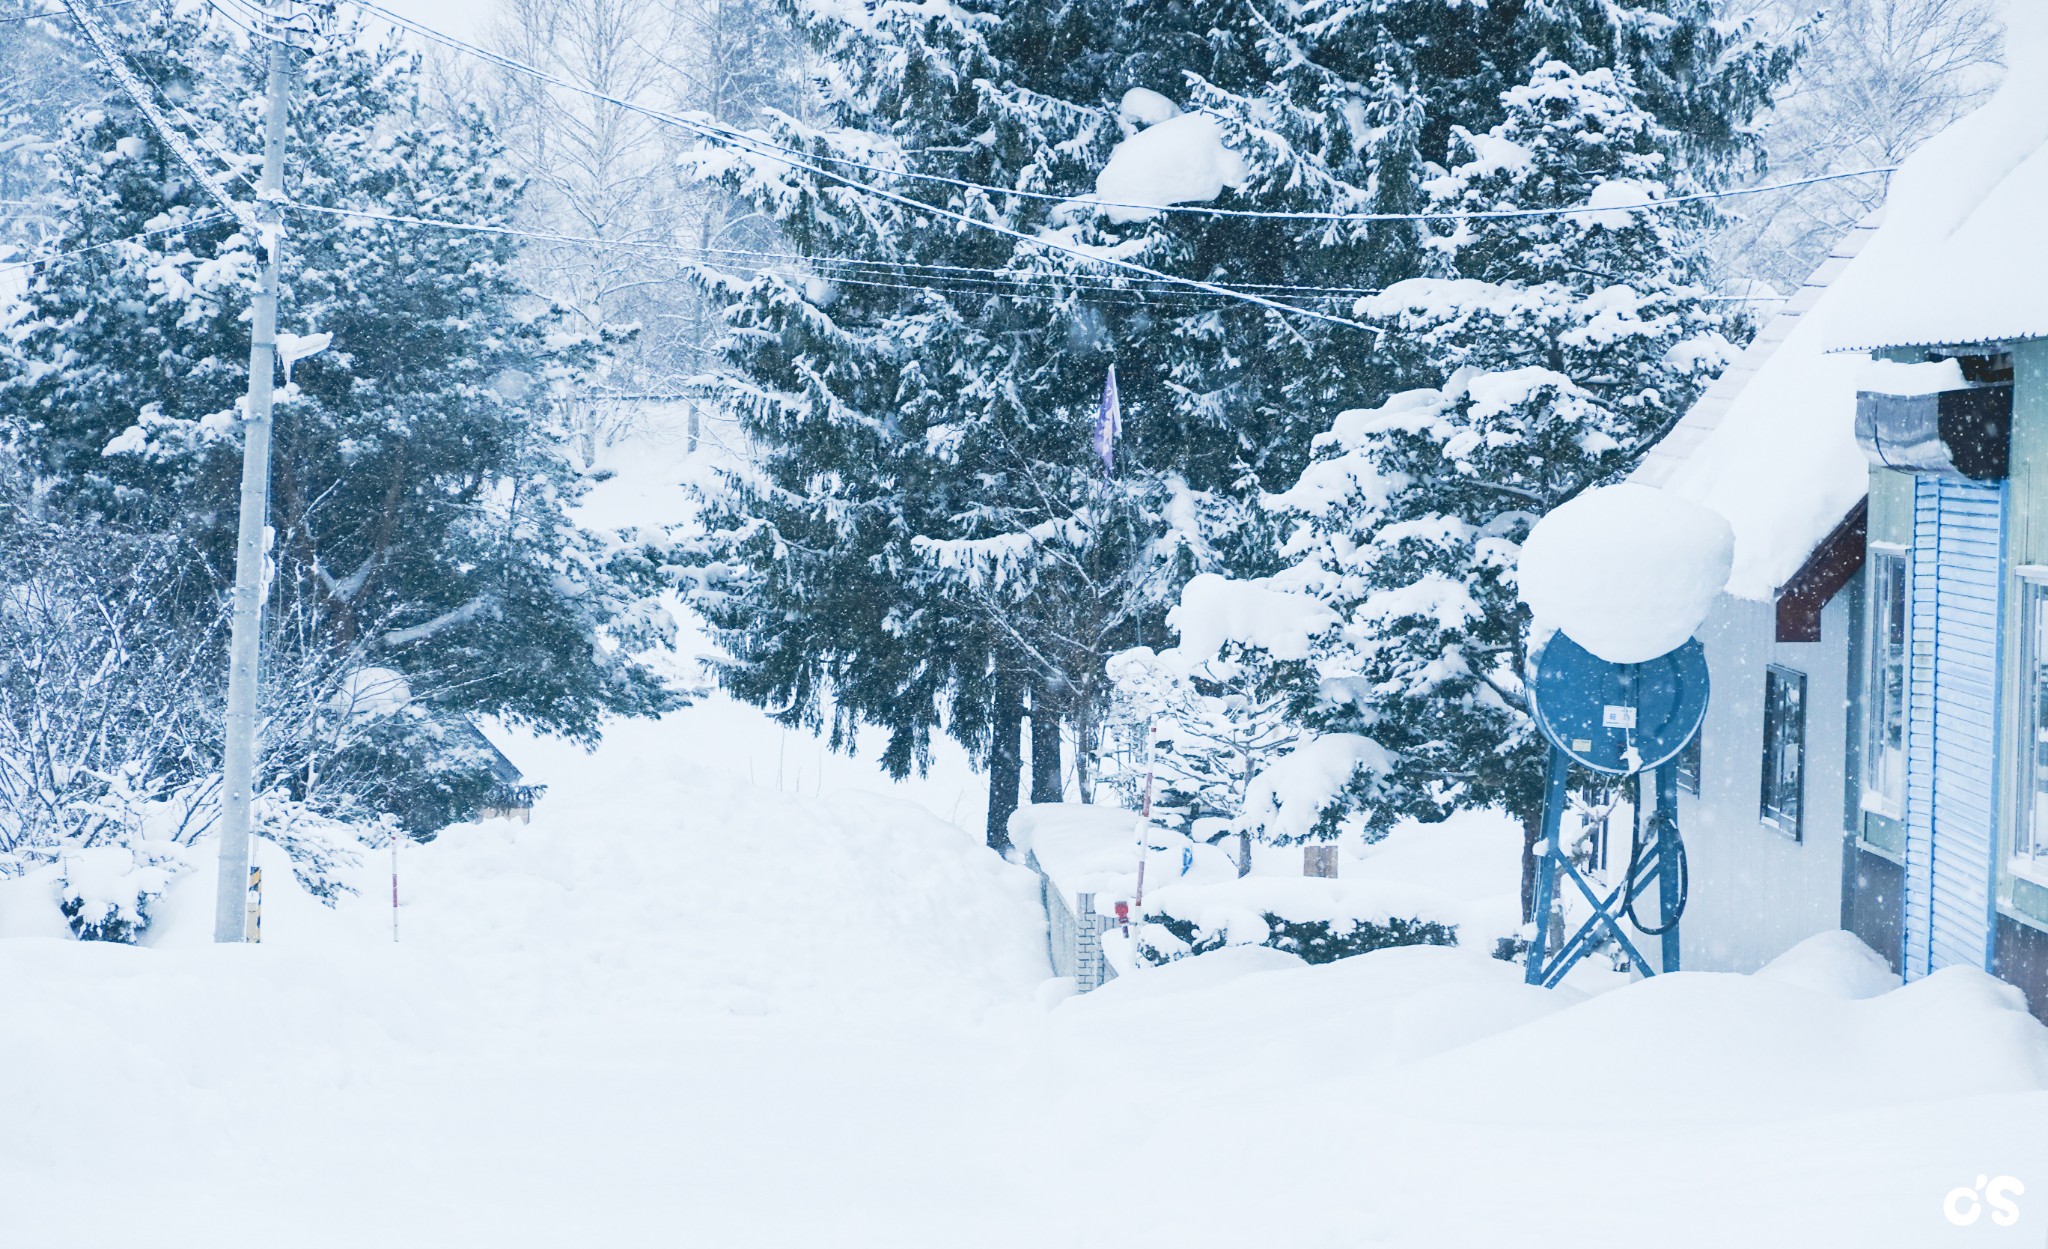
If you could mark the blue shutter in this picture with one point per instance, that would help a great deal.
(1951, 751)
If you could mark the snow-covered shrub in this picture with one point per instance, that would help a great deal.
(321, 848)
(1314, 941)
(105, 891)
(1319, 919)
(107, 708)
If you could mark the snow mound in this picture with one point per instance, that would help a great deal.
(1180, 160)
(1626, 571)
(1709, 1047)
(1382, 1009)
(1835, 963)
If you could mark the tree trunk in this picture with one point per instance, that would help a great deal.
(1244, 852)
(1085, 730)
(1005, 759)
(1046, 785)
(1532, 832)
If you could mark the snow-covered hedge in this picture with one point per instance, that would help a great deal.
(1320, 920)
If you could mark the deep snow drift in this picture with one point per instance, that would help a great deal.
(681, 1008)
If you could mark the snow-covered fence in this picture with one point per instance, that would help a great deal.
(1087, 861)
(1073, 935)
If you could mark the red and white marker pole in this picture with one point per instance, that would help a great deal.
(394, 884)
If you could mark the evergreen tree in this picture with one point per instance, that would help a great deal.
(925, 530)
(1559, 348)
(420, 512)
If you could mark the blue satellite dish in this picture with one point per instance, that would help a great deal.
(1619, 718)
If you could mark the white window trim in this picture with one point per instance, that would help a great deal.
(1870, 800)
(2030, 867)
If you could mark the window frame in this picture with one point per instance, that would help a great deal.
(1772, 814)
(2030, 863)
(1690, 763)
(1871, 801)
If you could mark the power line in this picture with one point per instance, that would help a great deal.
(1205, 210)
(720, 134)
(996, 283)
(59, 257)
(823, 265)
(137, 92)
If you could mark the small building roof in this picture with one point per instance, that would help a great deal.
(1771, 445)
(1957, 256)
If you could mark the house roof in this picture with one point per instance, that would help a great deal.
(1771, 445)
(1962, 257)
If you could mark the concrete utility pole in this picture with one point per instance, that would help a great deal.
(230, 922)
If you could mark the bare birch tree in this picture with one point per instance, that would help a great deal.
(1878, 78)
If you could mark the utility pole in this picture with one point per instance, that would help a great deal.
(238, 783)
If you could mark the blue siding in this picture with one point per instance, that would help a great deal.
(1951, 734)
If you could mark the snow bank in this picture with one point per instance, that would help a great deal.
(1835, 963)
(1626, 571)
(1257, 1008)
(1179, 160)
(1214, 609)
(1093, 848)
(1737, 1048)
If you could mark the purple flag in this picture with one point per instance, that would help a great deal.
(1109, 425)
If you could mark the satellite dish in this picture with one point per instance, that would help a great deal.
(1619, 718)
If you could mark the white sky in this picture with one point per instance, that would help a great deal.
(465, 18)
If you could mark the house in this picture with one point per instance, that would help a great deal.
(1880, 660)
(511, 796)
(1766, 804)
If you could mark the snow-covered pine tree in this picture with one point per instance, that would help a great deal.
(1344, 109)
(421, 512)
(925, 482)
(1555, 348)
(926, 540)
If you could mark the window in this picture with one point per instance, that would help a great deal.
(1884, 705)
(1689, 764)
(2030, 845)
(1784, 748)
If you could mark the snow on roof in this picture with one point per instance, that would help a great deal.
(1962, 257)
(1771, 445)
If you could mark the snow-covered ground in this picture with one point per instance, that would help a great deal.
(683, 1008)
(727, 990)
